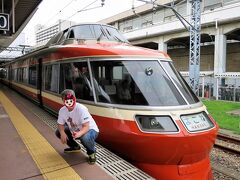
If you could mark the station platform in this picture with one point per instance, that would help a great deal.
(30, 149)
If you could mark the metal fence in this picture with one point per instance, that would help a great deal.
(229, 93)
(219, 88)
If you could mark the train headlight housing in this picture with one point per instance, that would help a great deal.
(156, 123)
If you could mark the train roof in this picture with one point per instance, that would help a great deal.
(91, 49)
(94, 39)
(106, 49)
(90, 39)
(87, 31)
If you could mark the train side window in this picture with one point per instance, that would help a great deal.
(135, 83)
(105, 88)
(3, 73)
(76, 76)
(51, 75)
(63, 37)
(25, 75)
(54, 39)
(179, 81)
(99, 32)
(32, 75)
(14, 74)
(82, 32)
(7, 73)
(71, 34)
(65, 81)
(20, 74)
(113, 34)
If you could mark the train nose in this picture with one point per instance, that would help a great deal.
(196, 148)
(197, 145)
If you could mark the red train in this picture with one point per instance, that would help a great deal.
(145, 110)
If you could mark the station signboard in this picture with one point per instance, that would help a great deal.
(4, 22)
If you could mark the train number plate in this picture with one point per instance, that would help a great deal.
(196, 122)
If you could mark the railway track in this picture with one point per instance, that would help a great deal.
(228, 143)
(226, 158)
(228, 138)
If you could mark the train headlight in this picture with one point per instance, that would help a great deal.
(156, 123)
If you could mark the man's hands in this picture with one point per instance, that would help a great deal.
(78, 134)
(75, 134)
(64, 137)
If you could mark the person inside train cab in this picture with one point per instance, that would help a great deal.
(124, 91)
(75, 122)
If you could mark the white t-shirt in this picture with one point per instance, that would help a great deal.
(75, 118)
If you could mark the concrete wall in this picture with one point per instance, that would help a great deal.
(181, 58)
(233, 57)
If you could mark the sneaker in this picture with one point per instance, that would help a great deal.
(72, 149)
(92, 158)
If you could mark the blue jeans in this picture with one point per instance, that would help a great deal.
(87, 140)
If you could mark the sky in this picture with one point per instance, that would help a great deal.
(49, 11)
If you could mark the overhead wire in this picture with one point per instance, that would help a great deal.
(60, 11)
(84, 9)
(134, 11)
(178, 15)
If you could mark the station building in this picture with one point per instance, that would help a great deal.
(158, 28)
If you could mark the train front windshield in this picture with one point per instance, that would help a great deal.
(154, 83)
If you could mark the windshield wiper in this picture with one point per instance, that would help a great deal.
(118, 39)
(101, 35)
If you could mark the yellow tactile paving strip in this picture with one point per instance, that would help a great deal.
(50, 163)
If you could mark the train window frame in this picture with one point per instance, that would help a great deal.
(54, 40)
(3, 73)
(94, 32)
(63, 37)
(30, 82)
(113, 34)
(9, 73)
(75, 31)
(14, 74)
(86, 82)
(25, 78)
(19, 75)
(44, 77)
(184, 89)
(115, 102)
(22, 75)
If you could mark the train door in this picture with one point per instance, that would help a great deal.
(39, 82)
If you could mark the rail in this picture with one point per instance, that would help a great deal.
(226, 144)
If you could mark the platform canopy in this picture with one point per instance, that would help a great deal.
(14, 16)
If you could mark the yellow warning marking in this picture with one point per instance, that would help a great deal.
(50, 163)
